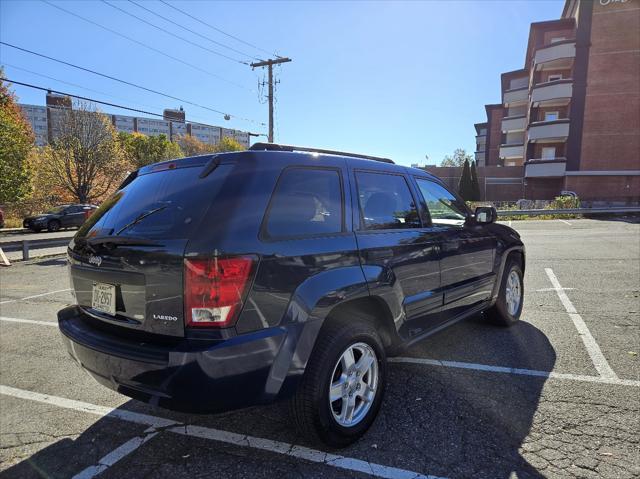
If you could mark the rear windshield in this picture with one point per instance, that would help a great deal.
(167, 204)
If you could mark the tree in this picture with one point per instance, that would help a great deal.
(464, 186)
(475, 183)
(191, 146)
(459, 157)
(85, 159)
(143, 150)
(228, 144)
(16, 143)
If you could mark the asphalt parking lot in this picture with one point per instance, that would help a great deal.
(557, 395)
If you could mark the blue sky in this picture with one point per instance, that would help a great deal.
(396, 79)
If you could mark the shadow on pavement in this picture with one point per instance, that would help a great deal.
(434, 420)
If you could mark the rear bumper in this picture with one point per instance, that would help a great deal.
(188, 375)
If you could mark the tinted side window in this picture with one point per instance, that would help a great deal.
(306, 202)
(442, 205)
(386, 201)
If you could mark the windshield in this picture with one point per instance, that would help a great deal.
(166, 204)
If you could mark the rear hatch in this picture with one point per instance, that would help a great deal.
(127, 260)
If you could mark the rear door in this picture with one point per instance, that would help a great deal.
(467, 250)
(127, 259)
(74, 216)
(397, 254)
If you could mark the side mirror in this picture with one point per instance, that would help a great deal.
(486, 214)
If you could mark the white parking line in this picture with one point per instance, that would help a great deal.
(516, 371)
(28, 321)
(565, 222)
(34, 296)
(453, 364)
(115, 455)
(598, 359)
(241, 440)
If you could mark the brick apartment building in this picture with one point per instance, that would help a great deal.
(570, 119)
(44, 121)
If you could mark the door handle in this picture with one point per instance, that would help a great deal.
(380, 253)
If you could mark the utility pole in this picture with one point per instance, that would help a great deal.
(269, 64)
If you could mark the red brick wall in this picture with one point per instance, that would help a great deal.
(543, 188)
(611, 130)
(495, 132)
(605, 188)
(567, 33)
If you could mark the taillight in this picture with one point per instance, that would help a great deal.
(215, 289)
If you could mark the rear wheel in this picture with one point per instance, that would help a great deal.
(53, 225)
(508, 307)
(343, 385)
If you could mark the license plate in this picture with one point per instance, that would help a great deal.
(104, 298)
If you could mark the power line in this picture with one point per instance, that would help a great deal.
(125, 82)
(93, 100)
(195, 67)
(186, 40)
(75, 85)
(198, 121)
(193, 31)
(218, 30)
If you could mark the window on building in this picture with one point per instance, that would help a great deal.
(386, 202)
(551, 115)
(306, 202)
(557, 39)
(443, 206)
(549, 153)
(554, 77)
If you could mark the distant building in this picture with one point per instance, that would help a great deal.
(44, 121)
(571, 116)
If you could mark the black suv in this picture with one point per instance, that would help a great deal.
(218, 282)
(63, 216)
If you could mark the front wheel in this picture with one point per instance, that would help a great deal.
(343, 385)
(53, 226)
(508, 307)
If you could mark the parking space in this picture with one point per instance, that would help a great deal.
(554, 396)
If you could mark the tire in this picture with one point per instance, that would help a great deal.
(315, 417)
(505, 312)
(53, 225)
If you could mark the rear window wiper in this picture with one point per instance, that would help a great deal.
(139, 218)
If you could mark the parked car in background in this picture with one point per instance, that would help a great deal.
(63, 216)
(222, 281)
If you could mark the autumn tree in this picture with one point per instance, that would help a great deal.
(229, 144)
(457, 159)
(85, 159)
(16, 143)
(143, 150)
(191, 146)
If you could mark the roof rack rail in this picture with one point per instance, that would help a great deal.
(279, 147)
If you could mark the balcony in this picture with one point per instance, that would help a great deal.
(512, 151)
(519, 95)
(558, 55)
(555, 92)
(554, 168)
(557, 130)
(514, 123)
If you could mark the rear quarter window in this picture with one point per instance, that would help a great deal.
(305, 202)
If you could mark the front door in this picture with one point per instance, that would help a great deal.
(399, 258)
(467, 250)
